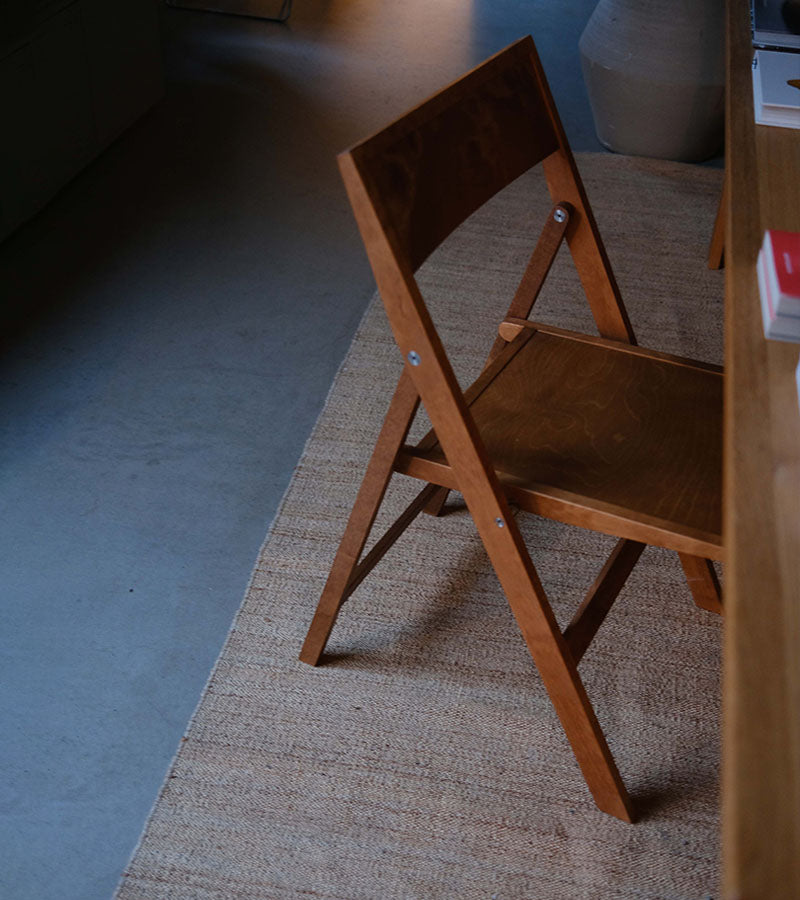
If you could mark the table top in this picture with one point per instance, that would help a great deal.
(761, 673)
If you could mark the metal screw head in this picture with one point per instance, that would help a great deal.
(413, 358)
(559, 215)
(499, 522)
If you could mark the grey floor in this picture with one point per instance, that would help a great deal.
(176, 317)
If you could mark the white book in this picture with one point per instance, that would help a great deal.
(769, 26)
(775, 100)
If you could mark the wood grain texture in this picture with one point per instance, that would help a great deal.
(716, 248)
(533, 278)
(573, 412)
(440, 161)
(402, 410)
(599, 424)
(393, 254)
(703, 582)
(574, 509)
(761, 686)
(598, 601)
(446, 406)
(583, 236)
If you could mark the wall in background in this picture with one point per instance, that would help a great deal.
(73, 76)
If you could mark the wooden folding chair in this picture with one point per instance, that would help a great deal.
(592, 431)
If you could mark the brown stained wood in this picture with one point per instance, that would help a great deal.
(393, 433)
(500, 535)
(520, 325)
(583, 236)
(435, 506)
(588, 252)
(533, 278)
(580, 404)
(703, 582)
(761, 676)
(598, 601)
(440, 161)
(716, 249)
(593, 421)
(541, 261)
(385, 542)
(507, 331)
(539, 265)
(573, 509)
(598, 424)
(486, 377)
(437, 385)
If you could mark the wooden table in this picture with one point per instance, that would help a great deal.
(761, 678)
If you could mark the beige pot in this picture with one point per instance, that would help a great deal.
(655, 73)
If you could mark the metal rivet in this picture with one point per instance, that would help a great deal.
(560, 215)
(499, 522)
(413, 358)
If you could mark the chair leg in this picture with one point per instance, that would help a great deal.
(716, 249)
(590, 615)
(556, 666)
(376, 479)
(703, 582)
(437, 502)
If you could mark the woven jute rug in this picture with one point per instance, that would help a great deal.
(424, 760)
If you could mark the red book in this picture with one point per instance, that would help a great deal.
(782, 271)
(776, 327)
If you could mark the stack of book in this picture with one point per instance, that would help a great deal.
(778, 270)
(774, 27)
(776, 64)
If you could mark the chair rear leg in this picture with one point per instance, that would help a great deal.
(703, 582)
(436, 503)
(370, 495)
(716, 249)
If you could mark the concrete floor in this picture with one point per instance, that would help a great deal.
(179, 312)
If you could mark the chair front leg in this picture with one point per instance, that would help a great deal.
(551, 654)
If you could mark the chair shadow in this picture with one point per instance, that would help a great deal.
(429, 628)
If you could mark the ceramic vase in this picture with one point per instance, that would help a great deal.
(655, 73)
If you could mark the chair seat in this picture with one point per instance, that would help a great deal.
(573, 423)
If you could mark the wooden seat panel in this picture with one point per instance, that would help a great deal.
(620, 428)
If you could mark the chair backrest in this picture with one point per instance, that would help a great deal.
(416, 180)
(431, 169)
